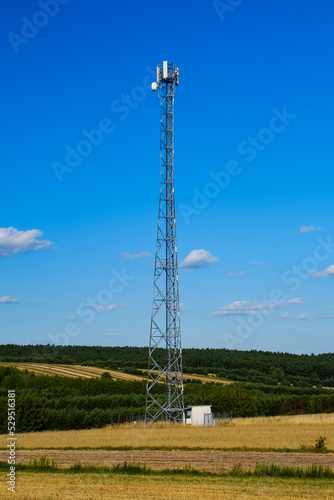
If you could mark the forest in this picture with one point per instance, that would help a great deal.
(46, 402)
(261, 367)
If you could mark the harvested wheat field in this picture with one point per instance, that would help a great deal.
(272, 433)
(74, 371)
(31, 486)
(79, 371)
(203, 460)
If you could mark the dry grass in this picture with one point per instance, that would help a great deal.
(74, 371)
(257, 433)
(210, 378)
(96, 486)
(78, 371)
(317, 419)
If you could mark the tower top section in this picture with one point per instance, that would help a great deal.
(166, 73)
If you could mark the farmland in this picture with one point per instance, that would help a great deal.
(202, 460)
(271, 433)
(92, 397)
(75, 371)
(79, 402)
(78, 371)
(31, 486)
(161, 448)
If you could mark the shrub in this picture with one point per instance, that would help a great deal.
(320, 444)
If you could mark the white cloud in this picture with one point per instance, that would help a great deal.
(127, 256)
(71, 318)
(110, 307)
(309, 229)
(244, 307)
(255, 263)
(198, 259)
(8, 300)
(236, 275)
(305, 317)
(291, 302)
(299, 317)
(326, 273)
(13, 241)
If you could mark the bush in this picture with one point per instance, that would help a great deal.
(320, 444)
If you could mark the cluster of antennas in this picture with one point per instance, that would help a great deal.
(166, 74)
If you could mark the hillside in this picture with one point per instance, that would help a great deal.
(73, 401)
(79, 371)
(247, 366)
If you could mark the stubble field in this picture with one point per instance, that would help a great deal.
(33, 486)
(271, 433)
(243, 443)
(79, 371)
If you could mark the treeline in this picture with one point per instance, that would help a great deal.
(264, 367)
(50, 402)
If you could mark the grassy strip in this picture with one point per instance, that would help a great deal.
(301, 449)
(45, 464)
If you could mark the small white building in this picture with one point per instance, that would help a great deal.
(199, 415)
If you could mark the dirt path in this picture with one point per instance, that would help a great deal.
(210, 460)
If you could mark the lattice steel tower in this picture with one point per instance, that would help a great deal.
(165, 321)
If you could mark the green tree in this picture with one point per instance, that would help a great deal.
(29, 413)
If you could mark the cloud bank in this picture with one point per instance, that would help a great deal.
(236, 275)
(13, 241)
(244, 307)
(8, 300)
(110, 307)
(127, 256)
(309, 229)
(299, 317)
(326, 273)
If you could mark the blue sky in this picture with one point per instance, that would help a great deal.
(253, 171)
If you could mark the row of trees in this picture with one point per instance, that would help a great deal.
(52, 402)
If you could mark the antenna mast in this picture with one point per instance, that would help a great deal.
(165, 321)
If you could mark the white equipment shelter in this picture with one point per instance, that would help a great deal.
(199, 415)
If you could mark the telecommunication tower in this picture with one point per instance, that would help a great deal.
(165, 321)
